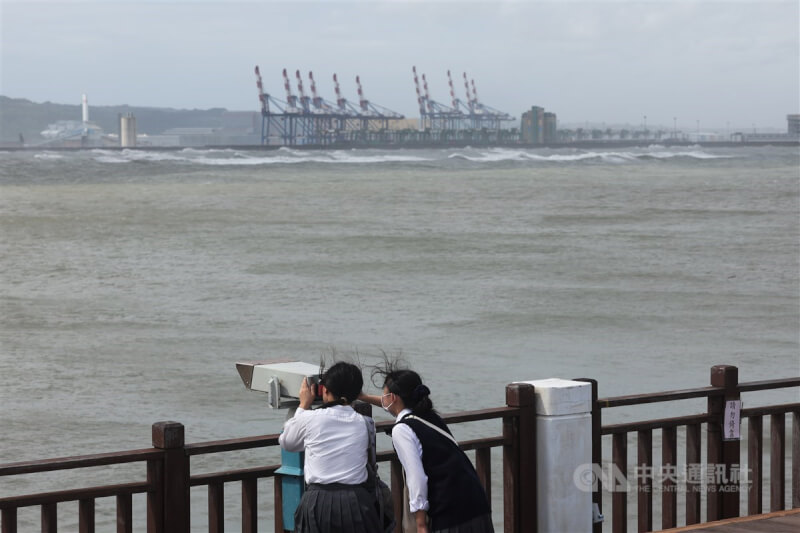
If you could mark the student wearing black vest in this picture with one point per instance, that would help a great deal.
(444, 493)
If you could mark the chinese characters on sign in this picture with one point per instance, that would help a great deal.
(730, 429)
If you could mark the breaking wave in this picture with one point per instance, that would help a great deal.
(290, 156)
(497, 155)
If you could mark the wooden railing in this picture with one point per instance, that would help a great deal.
(169, 477)
(719, 478)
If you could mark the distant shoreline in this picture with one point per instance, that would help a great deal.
(413, 146)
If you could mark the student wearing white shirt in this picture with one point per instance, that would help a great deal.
(334, 438)
(444, 492)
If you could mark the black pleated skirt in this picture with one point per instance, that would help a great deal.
(336, 508)
(479, 524)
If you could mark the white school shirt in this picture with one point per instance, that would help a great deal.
(335, 442)
(409, 452)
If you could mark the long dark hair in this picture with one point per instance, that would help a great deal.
(405, 383)
(343, 380)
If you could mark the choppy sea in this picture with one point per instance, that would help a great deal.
(132, 280)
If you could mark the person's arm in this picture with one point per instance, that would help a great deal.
(421, 518)
(370, 399)
(293, 438)
(409, 452)
(294, 430)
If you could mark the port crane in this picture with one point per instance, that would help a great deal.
(303, 119)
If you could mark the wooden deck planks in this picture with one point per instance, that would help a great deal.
(778, 522)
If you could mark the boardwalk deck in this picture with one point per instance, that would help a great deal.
(778, 522)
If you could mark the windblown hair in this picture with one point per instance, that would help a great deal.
(343, 380)
(406, 383)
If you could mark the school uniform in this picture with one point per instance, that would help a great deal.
(336, 500)
(439, 476)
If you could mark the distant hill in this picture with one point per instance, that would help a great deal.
(21, 116)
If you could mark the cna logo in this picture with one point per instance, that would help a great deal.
(667, 478)
(587, 476)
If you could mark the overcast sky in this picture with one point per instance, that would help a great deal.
(723, 63)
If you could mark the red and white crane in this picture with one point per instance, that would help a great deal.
(474, 92)
(341, 103)
(261, 96)
(362, 102)
(303, 97)
(470, 101)
(315, 98)
(427, 94)
(420, 98)
(290, 98)
(453, 98)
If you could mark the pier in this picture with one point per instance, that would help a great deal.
(168, 473)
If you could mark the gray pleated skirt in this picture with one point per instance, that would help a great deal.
(336, 508)
(479, 524)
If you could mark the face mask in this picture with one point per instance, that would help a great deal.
(386, 407)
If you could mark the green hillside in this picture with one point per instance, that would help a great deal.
(20, 116)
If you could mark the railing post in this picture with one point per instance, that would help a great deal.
(693, 484)
(563, 456)
(597, 453)
(169, 436)
(796, 459)
(9, 520)
(249, 506)
(521, 464)
(777, 462)
(49, 518)
(723, 498)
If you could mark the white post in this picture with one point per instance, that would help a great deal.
(563, 455)
(85, 109)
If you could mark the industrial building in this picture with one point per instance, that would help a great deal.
(538, 126)
(76, 134)
(793, 125)
(127, 130)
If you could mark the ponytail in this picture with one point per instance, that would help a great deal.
(408, 385)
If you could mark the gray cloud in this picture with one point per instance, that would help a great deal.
(717, 62)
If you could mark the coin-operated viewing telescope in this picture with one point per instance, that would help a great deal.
(281, 380)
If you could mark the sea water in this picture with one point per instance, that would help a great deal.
(134, 280)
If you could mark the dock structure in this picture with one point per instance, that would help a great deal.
(526, 429)
(312, 120)
(461, 115)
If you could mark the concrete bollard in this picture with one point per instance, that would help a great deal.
(564, 455)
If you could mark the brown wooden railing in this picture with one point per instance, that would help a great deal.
(169, 475)
(722, 456)
(169, 478)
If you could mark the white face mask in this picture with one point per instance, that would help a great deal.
(386, 407)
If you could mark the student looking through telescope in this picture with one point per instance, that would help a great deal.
(335, 440)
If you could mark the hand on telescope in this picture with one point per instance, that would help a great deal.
(306, 395)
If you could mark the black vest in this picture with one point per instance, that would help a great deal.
(455, 494)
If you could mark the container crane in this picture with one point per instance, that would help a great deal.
(303, 98)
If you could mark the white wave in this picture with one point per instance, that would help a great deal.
(111, 159)
(289, 156)
(291, 151)
(497, 155)
(693, 155)
(502, 154)
(331, 159)
(207, 150)
(48, 155)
